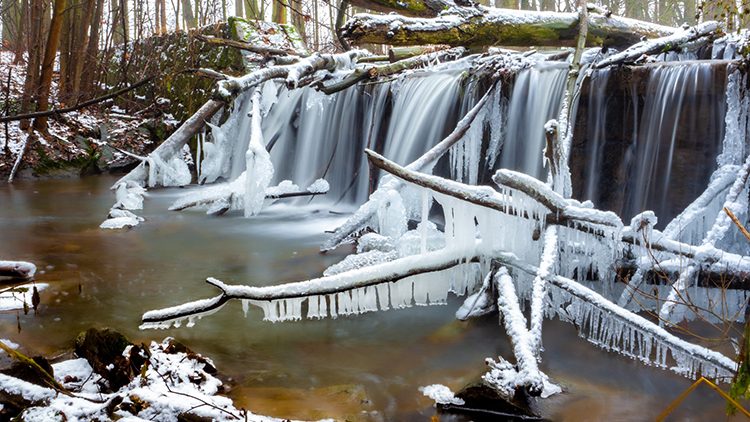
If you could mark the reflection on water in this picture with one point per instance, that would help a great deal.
(358, 368)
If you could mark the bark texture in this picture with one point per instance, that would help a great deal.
(482, 26)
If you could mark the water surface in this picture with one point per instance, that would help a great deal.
(367, 367)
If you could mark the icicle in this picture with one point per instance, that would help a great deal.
(313, 307)
(245, 306)
(425, 216)
(382, 290)
(332, 305)
(401, 293)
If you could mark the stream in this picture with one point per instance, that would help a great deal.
(367, 367)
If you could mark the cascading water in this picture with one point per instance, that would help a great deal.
(678, 112)
(641, 131)
(312, 135)
(536, 98)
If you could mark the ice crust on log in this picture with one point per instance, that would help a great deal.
(17, 269)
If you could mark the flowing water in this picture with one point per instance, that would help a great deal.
(367, 367)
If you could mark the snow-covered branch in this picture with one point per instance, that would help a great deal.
(662, 44)
(362, 281)
(620, 329)
(20, 269)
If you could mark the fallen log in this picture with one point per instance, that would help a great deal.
(20, 269)
(482, 26)
(373, 72)
(417, 8)
(254, 48)
(666, 43)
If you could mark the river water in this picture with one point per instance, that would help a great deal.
(367, 367)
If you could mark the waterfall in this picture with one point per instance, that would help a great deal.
(536, 98)
(682, 115)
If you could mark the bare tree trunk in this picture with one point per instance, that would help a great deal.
(187, 13)
(252, 11)
(50, 50)
(162, 4)
(279, 12)
(297, 19)
(91, 62)
(34, 47)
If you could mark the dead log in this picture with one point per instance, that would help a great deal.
(228, 90)
(18, 269)
(254, 48)
(482, 26)
(416, 8)
(373, 72)
(400, 53)
(666, 43)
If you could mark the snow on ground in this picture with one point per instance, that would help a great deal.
(76, 135)
(172, 384)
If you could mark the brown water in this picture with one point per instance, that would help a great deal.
(367, 367)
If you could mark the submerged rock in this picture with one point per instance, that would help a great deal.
(479, 396)
(103, 349)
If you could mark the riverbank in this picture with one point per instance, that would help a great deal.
(84, 142)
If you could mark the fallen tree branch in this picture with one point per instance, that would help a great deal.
(48, 379)
(662, 44)
(260, 49)
(487, 197)
(175, 142)
(80, 105)
(372, 72)
(626, 317)
(377, 274)
(227, 90)
(368, 209)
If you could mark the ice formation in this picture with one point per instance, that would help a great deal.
(526, 239)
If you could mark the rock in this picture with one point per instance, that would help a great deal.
(47, 414)
(103, 349)
(480, 396)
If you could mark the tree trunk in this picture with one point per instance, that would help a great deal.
(477, 27)
(35, 48)
(162, 4)
(90, 62)
(187, 13)
(279, 12)
(50, 50)
(252, 11)
(298, 20)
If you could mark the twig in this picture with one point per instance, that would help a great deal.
(78, 106)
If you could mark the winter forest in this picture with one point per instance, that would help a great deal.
(374, 210)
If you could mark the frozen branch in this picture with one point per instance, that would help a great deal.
(19, 269)
(355, 279)
(524, 345)
(372, 72)
(662, 44)
(254, 48)
(718, 365)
